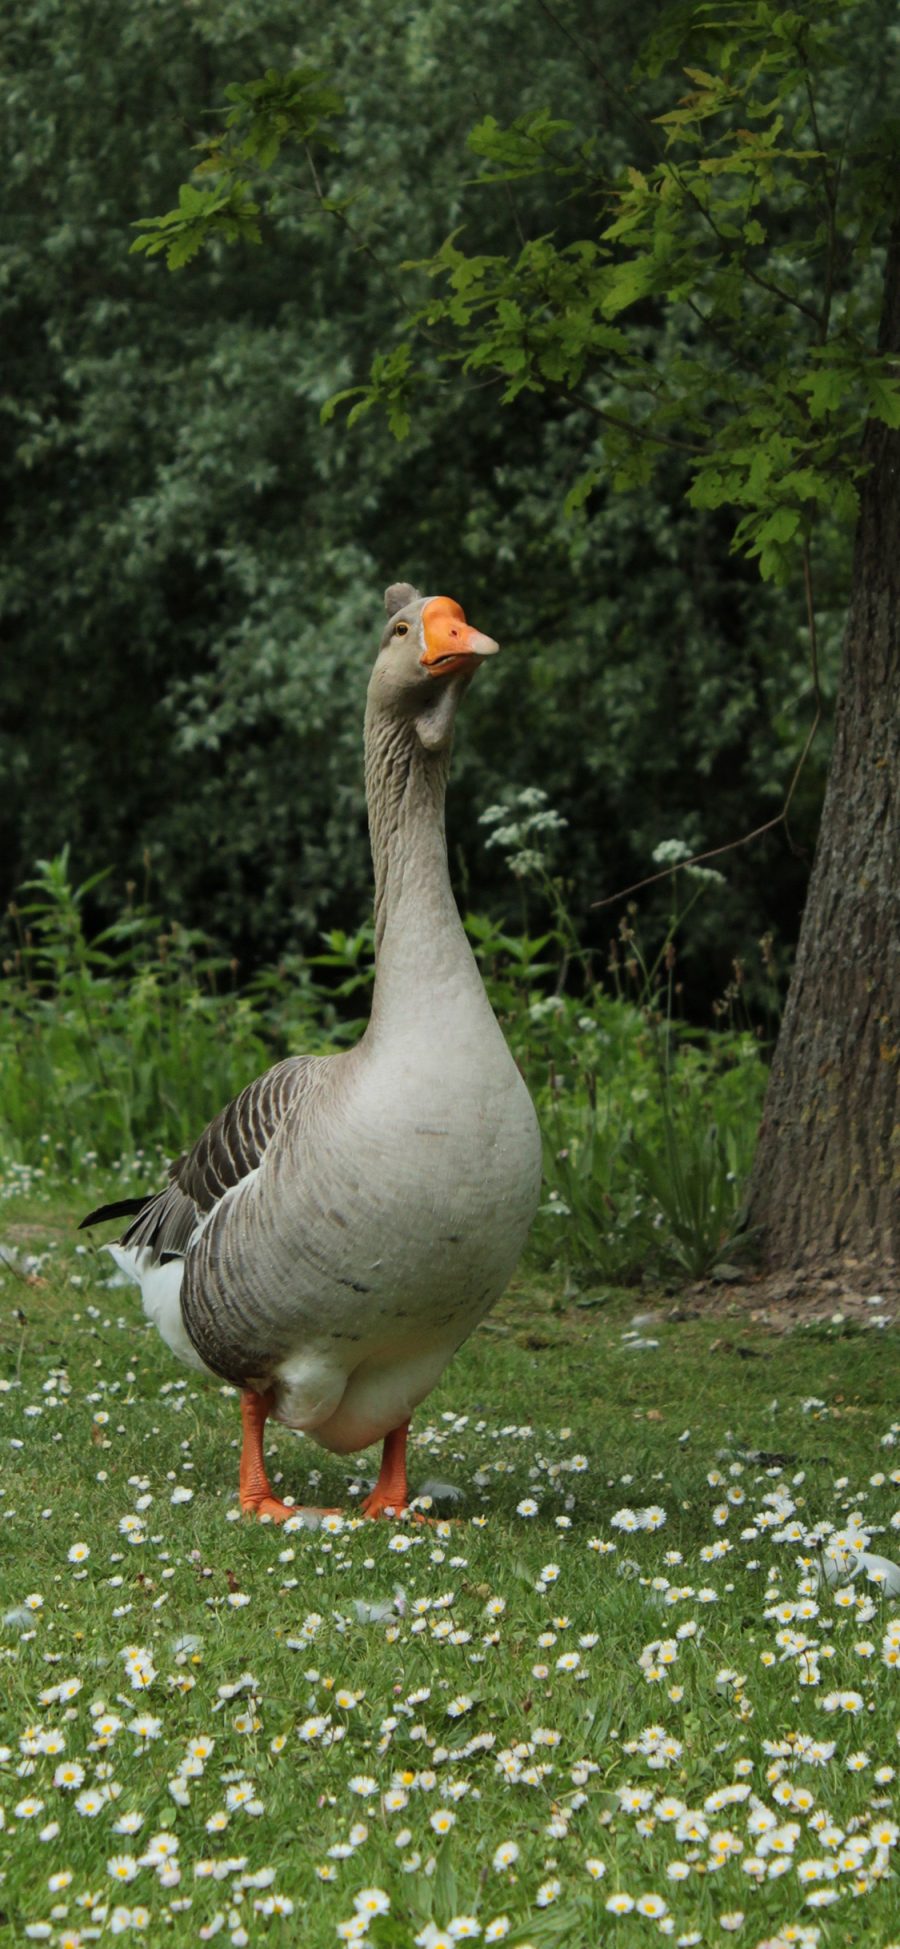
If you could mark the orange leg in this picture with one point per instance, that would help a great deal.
(257, 1496)
(390, 1495)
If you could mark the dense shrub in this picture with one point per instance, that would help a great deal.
(118, 1048)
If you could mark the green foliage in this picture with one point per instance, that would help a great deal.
(201, 217)
(293, 107)
(521, 150)
(121, 1046)
(649, 1139)
(700, 230)
(391, 378)
(264, 116)
(696, 1181)
(649, 1124)
(126, 1039)
(192, 564)
(753, 227)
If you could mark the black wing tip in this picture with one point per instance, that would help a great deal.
(122, 1208)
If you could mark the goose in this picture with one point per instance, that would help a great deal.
(340, 1228)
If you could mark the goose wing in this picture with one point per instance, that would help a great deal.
(231, 1146)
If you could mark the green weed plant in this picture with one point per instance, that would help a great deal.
(118, 1047)
(649, 1122)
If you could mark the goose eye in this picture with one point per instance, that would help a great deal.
(402, 629)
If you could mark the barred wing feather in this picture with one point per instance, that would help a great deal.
(230, 1148)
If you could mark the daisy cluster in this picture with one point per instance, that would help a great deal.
(593, 1709)
(39, 1183)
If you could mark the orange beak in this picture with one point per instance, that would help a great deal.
(450, 643)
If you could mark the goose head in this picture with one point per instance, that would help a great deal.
(426, 658)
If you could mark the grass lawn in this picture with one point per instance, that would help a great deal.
(611, 1698)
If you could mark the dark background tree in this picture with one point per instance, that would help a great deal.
(674, 291)
(763, 238)
(193, 565)
(827, 1175)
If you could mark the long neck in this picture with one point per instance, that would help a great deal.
(421, 952)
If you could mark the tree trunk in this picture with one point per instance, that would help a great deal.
(826, 1181)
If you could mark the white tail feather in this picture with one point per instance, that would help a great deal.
(161, 1295)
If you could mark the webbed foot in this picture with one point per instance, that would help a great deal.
(257, 1495)
(390, 1496)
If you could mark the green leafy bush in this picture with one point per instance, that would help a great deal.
(131, 1038)
(128, 1042)
(193, 564)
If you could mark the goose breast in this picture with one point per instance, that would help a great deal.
(375, 1235)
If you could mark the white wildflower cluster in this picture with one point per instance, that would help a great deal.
(469, 1730)
(139, 1667)
(525, 828)
(674, 852)
(632, 1519)
(656, 1659)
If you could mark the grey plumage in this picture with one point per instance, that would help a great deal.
(398, 596)
(231, 1146)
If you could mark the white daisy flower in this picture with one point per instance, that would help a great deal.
(371, 1901)
(122, 1867)
(506, 1855)
(442, 1820)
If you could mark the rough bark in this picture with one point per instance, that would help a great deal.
(826, 1183)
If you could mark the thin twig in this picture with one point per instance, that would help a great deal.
(764, 284)
(643, 122)
(507, 186)
(363, 245)
(830, 190)
(359, 242)
(627, 426)
(715, 852)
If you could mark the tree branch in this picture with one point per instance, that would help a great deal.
(643, 122)
(715, 852)
(626, 426)
(764, 284)
(830, 188)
